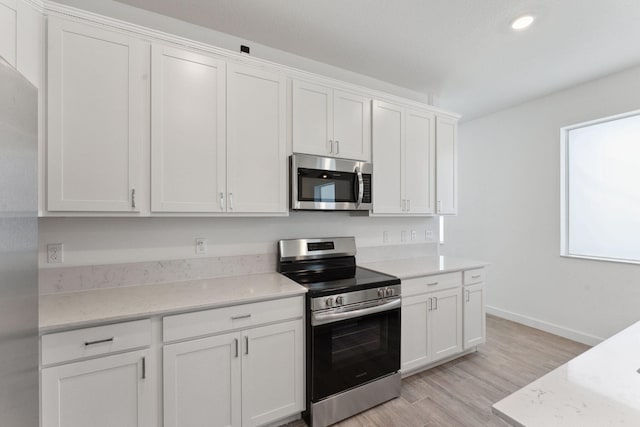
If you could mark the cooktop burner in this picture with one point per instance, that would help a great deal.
(328, 266)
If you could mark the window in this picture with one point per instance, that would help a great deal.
(600, 190)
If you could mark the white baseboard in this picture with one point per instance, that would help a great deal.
(546, 326)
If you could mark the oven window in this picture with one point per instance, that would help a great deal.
(352, 352)
(326, 186)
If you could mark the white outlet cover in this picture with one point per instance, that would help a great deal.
(55, 253)
(414, 235)
(201, 246)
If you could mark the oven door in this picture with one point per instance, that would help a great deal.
(322, 183)
(350, 352)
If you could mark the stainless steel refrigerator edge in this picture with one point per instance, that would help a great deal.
(19, 404)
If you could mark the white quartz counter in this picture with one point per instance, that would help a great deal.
(79, 309)
(424, 266)
(601, 387)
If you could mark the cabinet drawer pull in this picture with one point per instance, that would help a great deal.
(330, 146)
(231, 201)
(133, 197)
(236, 344)
(88, 343)
(432, 284)
(435, 300)
(337, 147)
(468, 295)
(477, 276)
(246, 345)
(244, 316)
(221, 201)
(144, 368)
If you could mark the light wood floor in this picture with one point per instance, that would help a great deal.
(461, 392)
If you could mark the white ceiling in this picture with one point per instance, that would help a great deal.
(461, 51)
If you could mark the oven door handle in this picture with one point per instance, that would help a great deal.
(360, 187)
(324, 318)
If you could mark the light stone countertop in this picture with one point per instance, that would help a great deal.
(87, 308)
(409, 268)
(601, 387)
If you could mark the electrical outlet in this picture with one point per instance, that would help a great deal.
(54, 253)
(403, 236)
(385, 237)
(201, 246)
(414, 235)
(428, 235)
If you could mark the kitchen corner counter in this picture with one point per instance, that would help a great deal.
(87, 308)
(409, 268)
(600, 387)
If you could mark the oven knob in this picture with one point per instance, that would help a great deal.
(381, 293)
(339, 300)
(329, 302)
(388, 292)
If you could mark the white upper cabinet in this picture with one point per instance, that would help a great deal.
(447, 166)
(403, 160)
(330, 122)
(96, 103)
(256, 140)
(188, 159)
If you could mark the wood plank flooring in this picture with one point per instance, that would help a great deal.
(461, 392)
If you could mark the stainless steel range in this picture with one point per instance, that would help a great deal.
(353, 328)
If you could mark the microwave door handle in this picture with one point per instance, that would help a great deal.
(360, 187)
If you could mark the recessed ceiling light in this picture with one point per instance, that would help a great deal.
(522, 22)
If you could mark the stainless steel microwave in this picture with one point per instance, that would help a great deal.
(327, 184)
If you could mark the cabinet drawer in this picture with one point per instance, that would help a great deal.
(431, 283)
(217, 320)
(100, 340)
(474, 276)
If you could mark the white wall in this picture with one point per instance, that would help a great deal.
(510, 215)
(94, 241)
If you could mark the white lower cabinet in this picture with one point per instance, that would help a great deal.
(248, 377)
(442, 316)
(104, 392)
(431, 327)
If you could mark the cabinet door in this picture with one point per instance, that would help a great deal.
(351, 126)
(96, 103)
(388, 137)
(447, 166)
(202, 382)
(312, 110)
(474, 316)
(187, 131)
(445, 323)
(272, 373)
(415, 350)
(104, 392)
(419, 162)
(256, 140)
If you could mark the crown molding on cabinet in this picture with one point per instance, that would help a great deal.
(53, 8)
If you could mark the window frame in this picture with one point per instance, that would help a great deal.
(564, 188)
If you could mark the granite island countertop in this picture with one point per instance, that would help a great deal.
(92, 307)
(601, 387)
(409, 268)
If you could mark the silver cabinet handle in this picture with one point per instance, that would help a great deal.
(244, 316)
(106, 340)
(432, 284)
(337, 147)
(360, 186)
(477, 276)
(133, 197)
(221, 200)
(236, 344)
(439, 206)
(246, 344)
(429, 304)
(330, 146)
(404, 205)
(409, 205)
(231, 201)
(144, 368)
(436, 303)
(468, 295)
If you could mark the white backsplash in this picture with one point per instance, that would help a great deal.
(72, 279)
